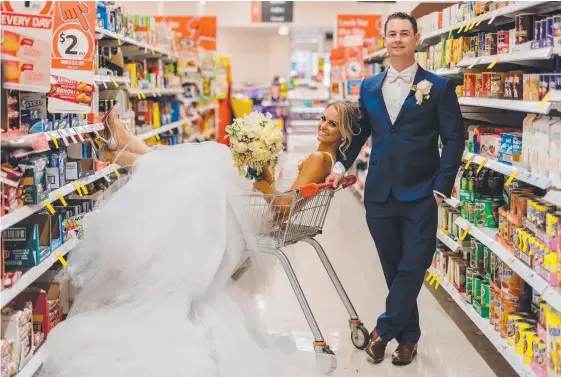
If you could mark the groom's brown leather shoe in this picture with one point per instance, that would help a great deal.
(376, 347)
(404, 353)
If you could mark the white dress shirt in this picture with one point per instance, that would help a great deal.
(395, 89)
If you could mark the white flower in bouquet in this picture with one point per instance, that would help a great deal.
(255, 142)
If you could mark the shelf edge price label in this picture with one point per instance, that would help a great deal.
(429, 276)
(468, 163)
(481, 165)
(511, 178)
(61, 198)
(466, 232)
(494, 62)
(61, 259)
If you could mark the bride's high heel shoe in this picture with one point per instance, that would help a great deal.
(109, 140)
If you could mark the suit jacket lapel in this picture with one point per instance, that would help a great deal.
(410, 100)
(385, 116)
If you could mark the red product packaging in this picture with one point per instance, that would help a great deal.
(503, 39)
(42, 319)
(470, 82)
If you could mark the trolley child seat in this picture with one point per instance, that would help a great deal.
(284, 219)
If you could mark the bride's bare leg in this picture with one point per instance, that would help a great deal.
(123, 158)
(122, 138)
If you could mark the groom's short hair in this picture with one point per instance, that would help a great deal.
(401, 16)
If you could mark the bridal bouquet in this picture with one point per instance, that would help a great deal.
(255, 142)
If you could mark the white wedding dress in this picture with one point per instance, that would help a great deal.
(156, 298)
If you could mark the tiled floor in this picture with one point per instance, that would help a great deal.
(444, 350)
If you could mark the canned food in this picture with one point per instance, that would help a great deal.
(478, 255)
(486, 83)
(469, 84)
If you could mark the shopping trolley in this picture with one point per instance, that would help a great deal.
(284, 219)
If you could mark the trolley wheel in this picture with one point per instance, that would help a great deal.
(360, 336)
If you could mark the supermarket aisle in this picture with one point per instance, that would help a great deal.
(443, 351)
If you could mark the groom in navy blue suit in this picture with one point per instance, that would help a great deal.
(405, 110)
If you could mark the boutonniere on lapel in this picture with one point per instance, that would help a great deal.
(422, 90)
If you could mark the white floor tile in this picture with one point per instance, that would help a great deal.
(443, 350)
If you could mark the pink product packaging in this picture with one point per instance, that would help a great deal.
(490, 145)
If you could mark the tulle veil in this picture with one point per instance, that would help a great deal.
(153, 276)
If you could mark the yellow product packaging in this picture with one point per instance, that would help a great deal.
(528, 346)
(524, 331)
(553, 343)
(449, 49)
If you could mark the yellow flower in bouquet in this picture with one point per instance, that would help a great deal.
(255, 142)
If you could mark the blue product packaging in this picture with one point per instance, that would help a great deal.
(511, 147)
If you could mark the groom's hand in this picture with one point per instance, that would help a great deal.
(334, 178)
(439, 199)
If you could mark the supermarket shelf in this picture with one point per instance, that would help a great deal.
(127, 40)
(25, 211)
(155, 92)
(163, 129)
(521, 174)
(494, 337)
(32, 366)
(515, 57)
(186, 81)
(505, 104)
(452, 245)
(34, 273)
(487, 236)
(490, 16)
(104, 80)
(453, 202)
(445, 72)
(378, 55)
(207, 107)
(307, 110)
(553, 197)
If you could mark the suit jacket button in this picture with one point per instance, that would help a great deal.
(392, 129)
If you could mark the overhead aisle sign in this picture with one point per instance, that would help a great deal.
(26, 31)
(272, 11)
(72, 59)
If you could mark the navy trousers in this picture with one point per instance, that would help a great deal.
(405, 236)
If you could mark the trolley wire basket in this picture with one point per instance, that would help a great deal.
(284, 219)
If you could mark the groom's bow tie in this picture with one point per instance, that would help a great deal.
(394, 75)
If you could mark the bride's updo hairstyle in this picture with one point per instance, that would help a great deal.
(349, 122)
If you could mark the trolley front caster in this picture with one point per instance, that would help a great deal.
(359, 334)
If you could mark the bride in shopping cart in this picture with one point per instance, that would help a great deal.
(156, 272)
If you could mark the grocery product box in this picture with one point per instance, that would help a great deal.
(47, 309)
(511, 147)
(28, 243)
(34, 181)
(17, 330)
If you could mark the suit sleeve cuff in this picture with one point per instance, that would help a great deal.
(440, 194)
(339, 168)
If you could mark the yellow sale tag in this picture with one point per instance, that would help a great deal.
(116, 172)
(429, 276)
(512, 176)
(139, 96)
(450, 33)
(77, 187)
(494, 62)
(468, 163)
(49, 206)
(434, 277)
(119, 41)
(61, 259)
(114, 82)
(464, 235)
(460, 29)
(544, 99)
(481, 165)
(84, 189)
(438, 283)
(61, 198)
(143, 96)
(157, 137)
(55, 141)
(464, 156)
(153, 53)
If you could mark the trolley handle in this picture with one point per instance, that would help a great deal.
(313, 188)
